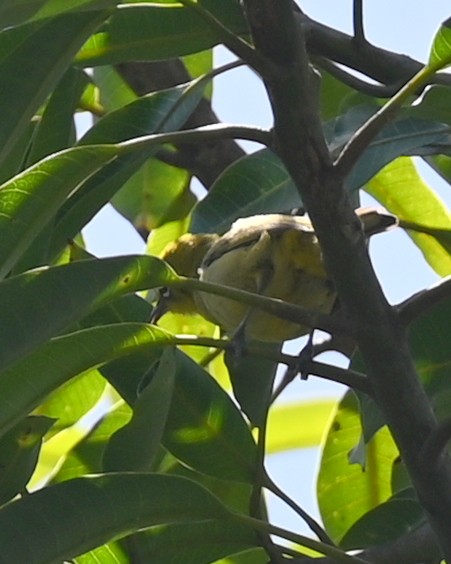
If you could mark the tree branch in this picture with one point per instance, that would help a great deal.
(386, 67)
(381, 337)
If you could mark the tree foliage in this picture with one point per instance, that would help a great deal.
(125, 432)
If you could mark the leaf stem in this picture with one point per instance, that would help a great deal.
(301, 540)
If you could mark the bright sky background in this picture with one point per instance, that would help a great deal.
(239, 98)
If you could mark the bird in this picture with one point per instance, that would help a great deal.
(274, 255)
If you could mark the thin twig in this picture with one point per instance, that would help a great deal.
(350, 378)
(301, 540)
(275, 306)
(376, 90)
(314, 526)
(357, 16)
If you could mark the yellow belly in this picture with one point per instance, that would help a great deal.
(281, 264)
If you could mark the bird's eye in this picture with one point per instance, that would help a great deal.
(165, 292)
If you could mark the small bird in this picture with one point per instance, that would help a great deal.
(273, 255)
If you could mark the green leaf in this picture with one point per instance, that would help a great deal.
(87, 512)
(193, 543)
(385, 523)
(66, 293)
(56, 129)
(14, 12)
(252, 380)
(311, 417)
(258, 183)
(25, 385)
(440, 55)
(205, 430)
(110, 553)
(408, 135)
(347, 491)
(158, 112)
(29, 201)
(19, 451)
(87, 456)
(41, 64)
(73, 400)
(134, 446)
(156, 194)
(400, 188)
(151, 32)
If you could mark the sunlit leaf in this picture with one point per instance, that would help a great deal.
(347, 491)
(400, 189)
(440, 54)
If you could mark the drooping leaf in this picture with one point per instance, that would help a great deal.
(135, 446)
(205, 430)
(252, 380)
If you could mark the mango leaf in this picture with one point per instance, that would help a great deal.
(440, 55)
(400, 188)
(194, 543)
(87, 455)
(30, 200)
(384, 523)
(347, 491)
(205, 430)
(257, 183)
(87, 512)
(157, 112)
(27, 48)
(56, 129)
(151, 32)
(408, 135)
(252, 380)
(135, 446)
(19, 451)
(431, 354)
(25, 385)
(298, 425)
(40, 304)
(73, 400)
(13, 12)
(110, 553)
